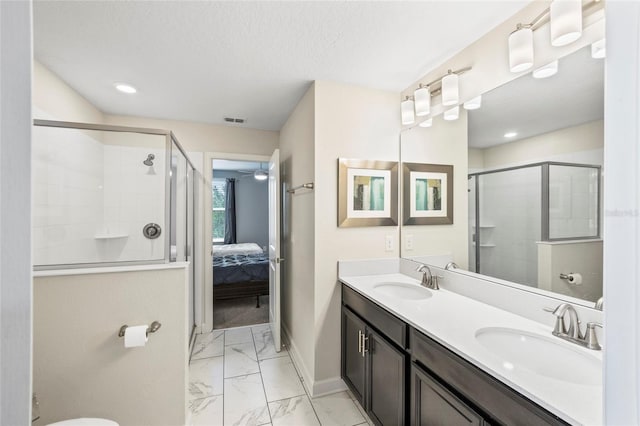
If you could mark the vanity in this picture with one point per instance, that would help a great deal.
(412, 355)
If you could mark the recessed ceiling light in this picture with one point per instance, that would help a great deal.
(510, 135)
(125, 88)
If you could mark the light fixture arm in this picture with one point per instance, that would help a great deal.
(434, 85)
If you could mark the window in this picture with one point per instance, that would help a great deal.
(218, 196)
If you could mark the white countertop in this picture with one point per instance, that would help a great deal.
(452, 320)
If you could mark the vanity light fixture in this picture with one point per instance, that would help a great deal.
(422, 97)
(521, 48)
(474, 103)
(510, 135)
(450, 93)
(125, 88)
(452, 114)
(565, 17)
(565, 23)
(598, 49)
(406, 110)
(546, 70)
(426, 123)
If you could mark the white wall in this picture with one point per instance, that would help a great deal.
(252, 207)
(444, 143)
(81, 368)
(297, 139)
(358, 123)
(15, 208)
(622, 217)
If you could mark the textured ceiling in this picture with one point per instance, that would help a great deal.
(202, 61)
(530, 107)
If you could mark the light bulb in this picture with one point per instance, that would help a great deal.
(406, 109)
(450, 89)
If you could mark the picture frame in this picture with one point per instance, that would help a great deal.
(427, 194)
(367, 193)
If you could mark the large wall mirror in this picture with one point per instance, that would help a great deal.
(529, 207)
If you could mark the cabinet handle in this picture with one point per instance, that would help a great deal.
(360, 341)
(364, 345)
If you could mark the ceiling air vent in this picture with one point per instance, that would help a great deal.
(234, 120)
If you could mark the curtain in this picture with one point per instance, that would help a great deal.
(230, 212)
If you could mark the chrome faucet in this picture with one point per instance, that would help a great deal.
(573, 333)
(428, 279)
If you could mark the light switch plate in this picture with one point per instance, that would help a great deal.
(408, 242)
(388, 243)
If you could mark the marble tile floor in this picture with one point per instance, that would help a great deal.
(236, 377)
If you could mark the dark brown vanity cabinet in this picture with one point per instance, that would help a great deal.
(373, 367)
(433, 404)
(401, 376)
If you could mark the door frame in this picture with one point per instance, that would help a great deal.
(207, 293)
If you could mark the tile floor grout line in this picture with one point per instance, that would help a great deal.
(261, 378)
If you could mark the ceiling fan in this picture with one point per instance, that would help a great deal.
(258, 174)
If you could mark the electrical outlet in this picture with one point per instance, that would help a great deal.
(388, 243)
(408, 242)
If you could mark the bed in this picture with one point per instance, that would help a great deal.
(240, 270)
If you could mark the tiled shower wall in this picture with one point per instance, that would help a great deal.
(92, 196)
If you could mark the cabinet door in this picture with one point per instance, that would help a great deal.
(386, 374)
(433, 405)
(353, 360)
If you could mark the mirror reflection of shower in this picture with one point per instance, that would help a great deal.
(149, 162)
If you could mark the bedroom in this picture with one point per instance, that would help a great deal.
(240, 235)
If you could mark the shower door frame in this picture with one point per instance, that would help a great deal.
(544, 205)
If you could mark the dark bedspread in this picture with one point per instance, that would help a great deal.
(240, 267)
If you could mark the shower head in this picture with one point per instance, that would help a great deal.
(149, 160)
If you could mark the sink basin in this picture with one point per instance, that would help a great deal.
(541, 355)
(402, 291)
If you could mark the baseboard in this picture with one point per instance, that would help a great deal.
(307, 382)
(327, 386)
(313, 388)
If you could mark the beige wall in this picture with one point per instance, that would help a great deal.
(80, 365)
(444, 143)
(54, 99)
(583, 257)
(558, 145)
(202, 137)
(350, 122)
(298, 239)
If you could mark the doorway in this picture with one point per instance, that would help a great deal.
(241, 204)
(239, 239)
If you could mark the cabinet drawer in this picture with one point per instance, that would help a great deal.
(393, 328)
(499, 402)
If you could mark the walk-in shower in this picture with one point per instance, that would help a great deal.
(99, 201)
(521, 218)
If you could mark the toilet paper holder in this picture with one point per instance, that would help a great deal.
(151, 329)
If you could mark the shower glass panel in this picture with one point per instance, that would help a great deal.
(509, 224)
(514, 212)
(573, 202)
(98, 187)
(93, 195)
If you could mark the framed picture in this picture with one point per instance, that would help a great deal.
(367, 193)
(427, 194)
